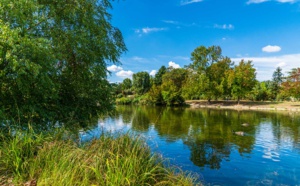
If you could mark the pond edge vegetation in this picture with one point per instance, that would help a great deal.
(57, 158)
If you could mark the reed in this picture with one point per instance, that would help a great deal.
(46, 159)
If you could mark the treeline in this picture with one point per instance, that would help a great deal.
(209, 76)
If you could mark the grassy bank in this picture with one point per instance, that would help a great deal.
(56, 159)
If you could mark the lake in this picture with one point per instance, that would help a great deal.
(201, 141)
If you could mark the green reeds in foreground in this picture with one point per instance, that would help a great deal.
(45, 159)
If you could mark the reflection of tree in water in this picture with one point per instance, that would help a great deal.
(172, 124)
(204, 153)
(208, 132)
(126, 112)
(286, 126)
(211, 138)
(140, 121)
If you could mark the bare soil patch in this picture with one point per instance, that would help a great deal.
(246, 105)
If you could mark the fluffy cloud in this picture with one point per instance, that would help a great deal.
(224, 26)
(125, 74)
(271, 48)
(186, 2)
(173, 64)
(153, 72)
(266, 65)
(114, 68)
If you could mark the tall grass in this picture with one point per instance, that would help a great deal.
(45, 159)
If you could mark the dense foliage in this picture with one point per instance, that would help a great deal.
(210, 75)
(53, 58)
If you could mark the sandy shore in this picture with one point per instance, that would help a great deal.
(246, 105)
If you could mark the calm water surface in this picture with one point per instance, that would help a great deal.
(201, 141)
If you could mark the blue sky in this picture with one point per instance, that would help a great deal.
(165, 32)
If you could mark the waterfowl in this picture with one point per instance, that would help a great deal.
(240, 133)
(245, 124)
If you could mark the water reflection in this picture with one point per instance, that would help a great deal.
(202, 141)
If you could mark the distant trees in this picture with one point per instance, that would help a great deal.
(276, 82)
(126, 86)
(208, 74)
(173, 81)
(242, 79)
(261, 91)
(291, 87)
(212, 76)
(158, 76)
(141, 82)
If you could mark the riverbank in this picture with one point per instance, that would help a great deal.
(247, 105)
(28, 158)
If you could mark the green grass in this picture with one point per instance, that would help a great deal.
(56, 159)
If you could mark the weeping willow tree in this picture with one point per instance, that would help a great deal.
(53, 58)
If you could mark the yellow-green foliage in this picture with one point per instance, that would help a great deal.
(110, 160)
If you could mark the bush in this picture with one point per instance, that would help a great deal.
(124, 101)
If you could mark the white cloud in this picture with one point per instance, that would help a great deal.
(262, 1)
(173, 64)
(148, 30)
(267, 65)
(224, 26)
(125, 74)
(136, 58)
(282, 64)
(286, 1)
(271, 48)
(256, 1)
(153, 72)
(114, 68)
(171, 22)
(186, 2)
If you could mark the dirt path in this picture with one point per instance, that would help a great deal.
(247, 105)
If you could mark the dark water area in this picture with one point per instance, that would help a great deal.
(201, 141)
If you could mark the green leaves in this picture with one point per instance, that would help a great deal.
(53, 57)
(209, 70)
(243, 80)
(141, 82)
(172, 84)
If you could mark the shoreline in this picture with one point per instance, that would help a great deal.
(246, 105)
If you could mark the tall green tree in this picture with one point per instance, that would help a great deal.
(203, 57)
(242, 79)
(141, 82)
(172, 86)
(208, 74)
(53, 58)
(218, 74)
(126, 85)
(158, 76)
(276, 82)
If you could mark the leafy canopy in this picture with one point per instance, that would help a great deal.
(53, 58)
